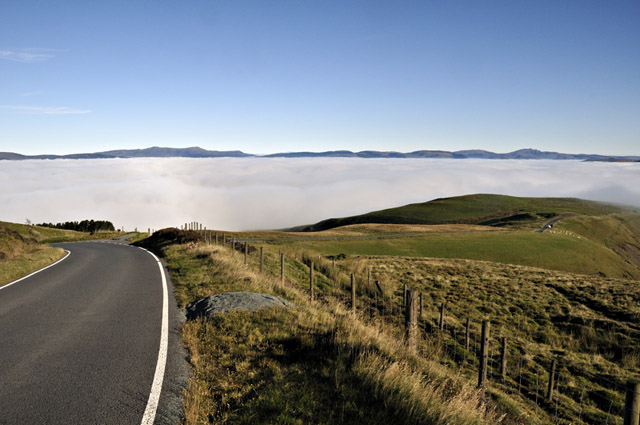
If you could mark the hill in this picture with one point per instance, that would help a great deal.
(481, 209)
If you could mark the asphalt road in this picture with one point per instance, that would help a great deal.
(80, 341)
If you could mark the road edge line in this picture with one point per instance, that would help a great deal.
(156, 387)
(36, 272)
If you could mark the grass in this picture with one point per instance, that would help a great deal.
(262, 366)
(555, 251)
(314, 363)
(493, 210)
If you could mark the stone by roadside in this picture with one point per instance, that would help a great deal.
(228, 301)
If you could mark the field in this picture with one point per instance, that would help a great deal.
(569, 295)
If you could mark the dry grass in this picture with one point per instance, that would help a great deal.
(315, 363)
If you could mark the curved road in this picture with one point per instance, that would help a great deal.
(80, 341)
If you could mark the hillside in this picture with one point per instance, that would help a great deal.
(481, 209)
(338, 367)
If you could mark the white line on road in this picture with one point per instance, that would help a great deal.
(154, 396)
(36, 272)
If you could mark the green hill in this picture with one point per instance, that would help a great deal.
(482, 209)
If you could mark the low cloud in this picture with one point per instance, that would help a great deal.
(268, 193)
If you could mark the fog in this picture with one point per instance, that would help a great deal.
(269, 193)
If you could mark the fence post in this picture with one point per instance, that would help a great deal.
(411, 318)
(282, 268)
(484, 349)
(552, 375)
(632, 404)
(441, 325)
(246, 251)
(261, 259)
(404, 295)
(216, 239)
(311, 281)
(353, 293)
(503, 358)
(466, 334)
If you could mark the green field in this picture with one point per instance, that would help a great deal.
(554, 251)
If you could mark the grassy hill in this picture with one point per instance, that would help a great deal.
(318, 363)
(481, 209)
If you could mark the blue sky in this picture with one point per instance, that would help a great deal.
(281, 76)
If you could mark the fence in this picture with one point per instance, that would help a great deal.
(553, 385)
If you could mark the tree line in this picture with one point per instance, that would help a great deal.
(90, 226)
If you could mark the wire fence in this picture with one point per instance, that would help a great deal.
(559, 391)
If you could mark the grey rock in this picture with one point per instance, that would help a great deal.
(228, 301)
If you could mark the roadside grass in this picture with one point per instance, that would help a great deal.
(313, 363)
(16, 267)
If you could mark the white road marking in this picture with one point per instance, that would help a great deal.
(36, 272)
(154, 396)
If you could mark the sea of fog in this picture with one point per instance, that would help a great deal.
(269, 193)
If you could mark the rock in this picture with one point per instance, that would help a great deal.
(222, 303)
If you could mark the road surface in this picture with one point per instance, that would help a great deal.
(80, 342)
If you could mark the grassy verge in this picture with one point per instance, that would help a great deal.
(17, 267)
(314, 363)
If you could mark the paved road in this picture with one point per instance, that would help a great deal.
(80, 341)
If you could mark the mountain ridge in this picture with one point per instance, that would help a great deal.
(197, 152)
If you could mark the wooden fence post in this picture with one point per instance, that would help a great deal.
(483, 357)
(420, 313)
(261, 259)
(216, 239)
(311, 281)
(552, 376)
(466, 334)
(404, 295)
(632, 404)
(282, 268)
(503, 359)
(441, 325)
(353, 293)
(246, 252)
(411, 318)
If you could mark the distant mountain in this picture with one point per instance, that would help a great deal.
(153, 152)
(197, 152)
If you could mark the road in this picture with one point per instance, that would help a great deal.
(549, 224)
(80, 342)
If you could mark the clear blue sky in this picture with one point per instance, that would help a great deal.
(274, 76)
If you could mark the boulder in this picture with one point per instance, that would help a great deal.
(228, 301)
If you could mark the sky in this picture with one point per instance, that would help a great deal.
(281, 76)
(273, 193)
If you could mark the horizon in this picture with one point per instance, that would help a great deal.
(325, 151)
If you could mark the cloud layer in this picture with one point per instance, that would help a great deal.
(267, 193)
